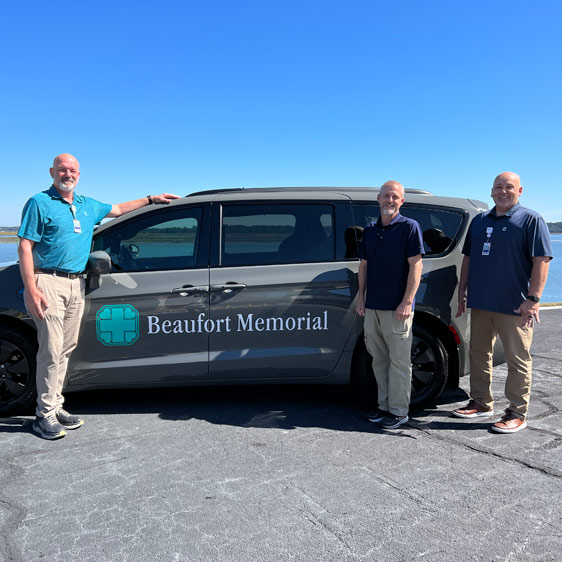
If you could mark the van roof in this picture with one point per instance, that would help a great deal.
(301, 189)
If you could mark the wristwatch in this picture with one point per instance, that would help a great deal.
(533, 298)
(150, 201)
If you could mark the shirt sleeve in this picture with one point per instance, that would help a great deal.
(415, 241)
(32, 224)
(100, 209)
(362, 250)
(540, 239)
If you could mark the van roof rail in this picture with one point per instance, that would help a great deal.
(310, 188)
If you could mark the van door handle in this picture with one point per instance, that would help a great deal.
(187, 289)
(228, 287)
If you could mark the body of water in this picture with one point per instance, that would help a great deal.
(551, 293)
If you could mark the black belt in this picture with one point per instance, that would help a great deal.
(59, 273)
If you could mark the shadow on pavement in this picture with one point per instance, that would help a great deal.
(282, 407)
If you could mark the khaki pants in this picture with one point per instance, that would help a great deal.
(389, 341)
(485, 327)
(57, 335)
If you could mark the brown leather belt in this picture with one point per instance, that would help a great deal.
(59, 273)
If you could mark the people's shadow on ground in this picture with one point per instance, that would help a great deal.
(273, 406)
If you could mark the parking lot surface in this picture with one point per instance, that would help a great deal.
(286, 473)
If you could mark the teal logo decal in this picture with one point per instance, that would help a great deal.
(117, 324)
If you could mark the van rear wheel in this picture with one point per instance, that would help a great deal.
(429, 369)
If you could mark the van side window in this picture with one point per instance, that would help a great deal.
(440, 228)
(159, 241)
(270, 234)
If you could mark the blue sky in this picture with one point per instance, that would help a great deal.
(184, 96)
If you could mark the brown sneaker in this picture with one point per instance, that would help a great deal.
(509, 423)
(473, 410)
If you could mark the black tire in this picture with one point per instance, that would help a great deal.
(429, 369)
(17, 372)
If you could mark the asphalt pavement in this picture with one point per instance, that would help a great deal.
(286, 474)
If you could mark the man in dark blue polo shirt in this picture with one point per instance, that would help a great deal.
(507, 252)
(55, 239)
(389, 275)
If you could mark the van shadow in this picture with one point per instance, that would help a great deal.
(283, 407)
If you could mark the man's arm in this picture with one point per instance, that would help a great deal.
(463, 284)
(34, 299)
(404, 309)
(529, 310)
(362, 280)
(127, 207)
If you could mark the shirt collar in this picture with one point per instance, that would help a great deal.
(54, 194)
(397, 218)
(509, 213)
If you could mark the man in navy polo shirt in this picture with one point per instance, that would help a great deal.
(507, 252)
(55, 240)
(391, 264)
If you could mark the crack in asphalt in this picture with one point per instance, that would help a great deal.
(547, 471)
(8, 550)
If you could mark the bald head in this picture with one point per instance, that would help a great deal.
(510, 177)
(65, 172)
(65, 157)
(506, 191)
(392, 184)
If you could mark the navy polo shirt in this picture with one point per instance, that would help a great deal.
(47, 220)
(386, 250)
(499, 282)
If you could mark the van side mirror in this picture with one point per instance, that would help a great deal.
(99, 262)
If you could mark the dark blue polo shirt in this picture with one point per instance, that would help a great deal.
(499, 282)
(47, 219)
(386, 250)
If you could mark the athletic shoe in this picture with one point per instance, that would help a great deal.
(393, 422)
(377, 416)
(68, 421)
(473, 410)
(48, 427)
(509, 423)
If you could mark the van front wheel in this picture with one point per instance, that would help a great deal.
(17, 372)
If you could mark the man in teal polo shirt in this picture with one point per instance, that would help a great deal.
(55, 239)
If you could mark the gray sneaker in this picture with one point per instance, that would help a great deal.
(394, 422)
(378, 415)
(68, 421)
(48, 427)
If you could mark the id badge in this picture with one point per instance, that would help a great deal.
(77, 228)
(486, 248)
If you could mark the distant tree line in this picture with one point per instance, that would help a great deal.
(555, 227)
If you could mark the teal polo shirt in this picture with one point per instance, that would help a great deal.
(48, 221)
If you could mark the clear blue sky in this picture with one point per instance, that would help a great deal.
(183, 96)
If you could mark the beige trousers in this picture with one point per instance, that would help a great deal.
(389, 341)
(485, 327)
(57, 335)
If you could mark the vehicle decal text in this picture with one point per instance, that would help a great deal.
(239, 323)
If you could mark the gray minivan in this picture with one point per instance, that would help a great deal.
(244, 286)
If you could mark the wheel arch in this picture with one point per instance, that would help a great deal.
(11, 322)
(444, 334)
